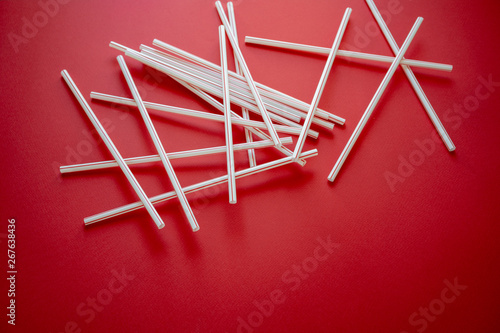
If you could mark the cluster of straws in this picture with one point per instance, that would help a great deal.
(280, 112)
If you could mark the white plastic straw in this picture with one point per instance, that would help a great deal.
(374, 101)
(346, 54)
(158, 145)
(198, 114)
(413, 80)
(145, 202)
(227, 117)
(244, 112)
(321, 84)
(175, 155)
(196, 187)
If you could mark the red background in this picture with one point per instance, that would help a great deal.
(395, 247)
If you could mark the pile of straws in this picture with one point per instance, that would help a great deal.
(208, 80)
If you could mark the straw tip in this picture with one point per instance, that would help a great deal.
(117, 46)
(298, 160)
(196, 228)
(161, 225)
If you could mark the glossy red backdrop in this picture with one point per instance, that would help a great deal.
(296, 253)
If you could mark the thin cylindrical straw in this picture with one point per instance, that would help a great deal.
(346, 54)
(374, 101)
(174, 155)
(158, 145)
(227, 117)
(196, 187)
(413, 80)
(145, 202)
(244, 112)
(248, 76)
(321, 84)
(198, 114)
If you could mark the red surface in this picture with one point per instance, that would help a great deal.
(396, 249)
